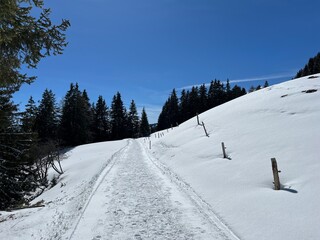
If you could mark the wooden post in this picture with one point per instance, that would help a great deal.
(205, 130)
(149, 144)
(198, 119)
(275, 174)
(224, 150)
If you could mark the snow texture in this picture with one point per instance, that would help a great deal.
(183, 188)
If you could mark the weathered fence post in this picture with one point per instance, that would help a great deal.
(205, 130)
(275, 174)
(224, 150)
(198, 119)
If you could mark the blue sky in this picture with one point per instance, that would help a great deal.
(145, 48)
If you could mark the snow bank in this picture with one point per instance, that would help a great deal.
(280, 121)
(83, 166)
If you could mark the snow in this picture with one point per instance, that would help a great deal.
(183, 188)
(280, 121)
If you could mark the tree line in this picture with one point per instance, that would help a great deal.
(78, 121)
(312, 67)
(195, 101)
(30, 140)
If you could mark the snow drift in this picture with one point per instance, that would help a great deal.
(280, 121)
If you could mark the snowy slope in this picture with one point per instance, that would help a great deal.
(84, 168)
(281, 121)
(115, 190)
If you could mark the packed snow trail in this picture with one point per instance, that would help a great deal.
(135, 200)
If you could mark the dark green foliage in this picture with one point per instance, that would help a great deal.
(101, 121)
(25, 40)
(76, 119)
(196, 101)
(29, 116)
(312, 67)
(118, 118)
(17, 172)
(17, 175)
(183, 107)
(46, 122)
(170, 114)
(144, 125)
(133, 121)
(216, 94)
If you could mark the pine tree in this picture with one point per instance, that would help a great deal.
(16, 175)
(75, 119)
(101, 121)
(193, 102)
(203, 99)
(118, 118)
(184, 106)
(133, 121)
(29, 116)
(173, 109)
(46, 123)
(144, 125)
(312, 67)
(25, 39)
(228, 95)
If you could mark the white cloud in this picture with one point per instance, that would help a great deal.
(250, 79)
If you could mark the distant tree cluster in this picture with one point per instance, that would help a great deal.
(312, 67)
(78, 121)
(197, 100)
(33, 137)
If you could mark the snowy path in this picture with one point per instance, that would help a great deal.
(137, 200)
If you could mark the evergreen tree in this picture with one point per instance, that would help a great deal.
(194, 103)
(16, 175)
(46, 123)
(75, 122)
(133, 121)
(203, 99)
(312, 67)
(87, 117)
(237, 92)
(173, 109)
(228, 94)
(25, 39)
(170, 114)
(144, 125)
(266, 84)
(184, 106)
(101, 121)
(118, 118)
(29, 116)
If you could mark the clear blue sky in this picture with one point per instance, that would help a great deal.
(145, 48)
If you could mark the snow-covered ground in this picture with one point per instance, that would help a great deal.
(183, 188)
(281, 121)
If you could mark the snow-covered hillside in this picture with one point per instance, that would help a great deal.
(281, 121)
(183, 188)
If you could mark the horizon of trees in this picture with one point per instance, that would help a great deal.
(199, 99)
(77, 121)
(312, 67)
